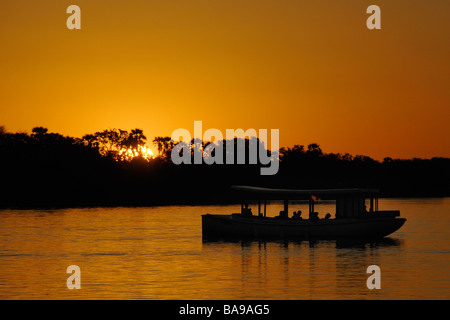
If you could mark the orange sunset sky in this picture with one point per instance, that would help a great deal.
(311, 69)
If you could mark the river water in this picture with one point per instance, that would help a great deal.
(158, 253)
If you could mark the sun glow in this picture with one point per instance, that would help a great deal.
(143, 151)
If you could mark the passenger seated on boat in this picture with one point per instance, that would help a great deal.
(297, 215)
(327, 216)
(283, 215)
(363, 211)
(314, 216)
(246, 211)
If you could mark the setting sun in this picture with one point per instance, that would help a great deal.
(143, 151)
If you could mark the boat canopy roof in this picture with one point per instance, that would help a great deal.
(274, 193)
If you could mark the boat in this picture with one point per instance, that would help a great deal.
(352, 218)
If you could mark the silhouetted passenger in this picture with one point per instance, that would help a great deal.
(297, 215)
(313, 216)
(283, 215)
(246, 211)
(327, 216)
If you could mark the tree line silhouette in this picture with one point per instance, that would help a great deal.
(113, 168)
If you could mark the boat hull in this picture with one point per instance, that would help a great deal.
(236, 226)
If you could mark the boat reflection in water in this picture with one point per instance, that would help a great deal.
(309, 269)
(352, 219)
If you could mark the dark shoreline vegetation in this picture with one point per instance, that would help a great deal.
(49, 170)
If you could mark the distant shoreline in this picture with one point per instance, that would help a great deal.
(178, 203)
(49, 170)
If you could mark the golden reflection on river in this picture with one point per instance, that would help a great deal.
(158, 253)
